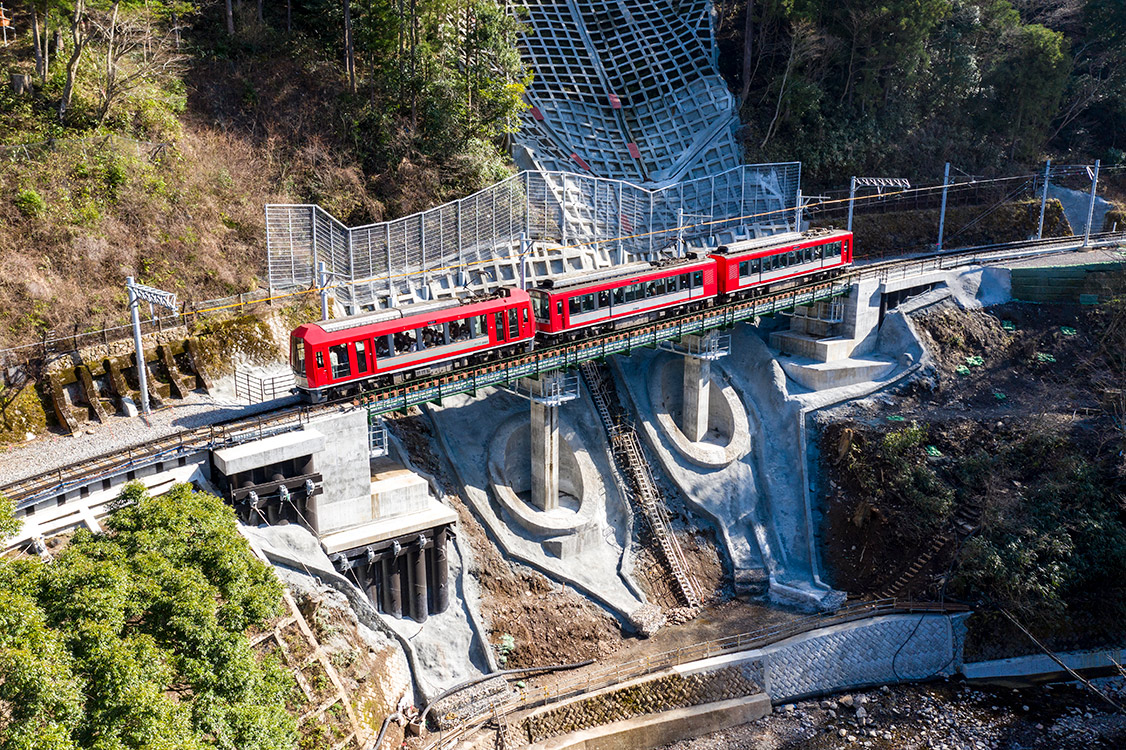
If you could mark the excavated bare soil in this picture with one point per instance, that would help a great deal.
(1000, 378)
(550, 624)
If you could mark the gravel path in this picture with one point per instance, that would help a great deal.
(55, 449)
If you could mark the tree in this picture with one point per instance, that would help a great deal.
(79, 37)
(137, 51)
(9, 524)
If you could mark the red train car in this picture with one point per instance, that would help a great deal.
(640, 290)
(332, 357)
(744, 265)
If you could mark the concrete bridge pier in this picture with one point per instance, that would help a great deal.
(547, 393)
(699, 351)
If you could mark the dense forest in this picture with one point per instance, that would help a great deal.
(901, 86)
(144, 137)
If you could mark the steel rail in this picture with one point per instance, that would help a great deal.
(26, 492)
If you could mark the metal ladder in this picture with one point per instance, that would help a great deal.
(630, 458)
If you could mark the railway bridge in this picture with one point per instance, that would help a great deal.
(309, 464)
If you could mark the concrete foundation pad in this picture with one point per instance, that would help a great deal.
(817, 348)
(728, 437)
(509, 475)
(818, 375)
(388, 528)
(657, 730)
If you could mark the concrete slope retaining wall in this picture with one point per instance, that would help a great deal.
(875, 651)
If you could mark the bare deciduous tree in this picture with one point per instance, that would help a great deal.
(134, 54)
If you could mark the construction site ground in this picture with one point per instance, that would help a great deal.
(552, 624)
(999, 376)
(948, 714)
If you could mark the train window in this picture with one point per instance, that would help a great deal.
(297, 355)
(513, 322)
(338, 356)
(744, 268)
(525, 316)
(404, 342)
(650, 288)
(383, 346)
(459, 330)
(361, 357)
(604, 298)
(756, 266)
(574, 305)
(540, 306)
(431, 336)
(620, 295)
(320, 359)
(588, 302)
(685, 284)
(559, 309)
(498, 322)
(697, 279)
(661, 286)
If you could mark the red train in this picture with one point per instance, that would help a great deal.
(338, 357)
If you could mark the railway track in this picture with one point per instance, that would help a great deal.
(26, 492)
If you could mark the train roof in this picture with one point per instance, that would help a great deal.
(577, 278)
(783, 238)
(421, 308)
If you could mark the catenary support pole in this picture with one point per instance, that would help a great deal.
(1091, 204)
(322, 285)
(680, 232)
(1044, 200)
(142, 376)
(942, 213)
(851, 201)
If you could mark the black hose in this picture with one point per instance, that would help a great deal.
(383, 729)
(491, 675)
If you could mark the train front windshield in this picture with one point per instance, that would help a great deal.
(297, 355)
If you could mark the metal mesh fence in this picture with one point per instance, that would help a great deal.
(475, 242)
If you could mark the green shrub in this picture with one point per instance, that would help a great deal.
(30, 203)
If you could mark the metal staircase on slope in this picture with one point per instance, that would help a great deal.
(631, 462)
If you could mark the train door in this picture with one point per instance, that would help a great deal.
(498, 325)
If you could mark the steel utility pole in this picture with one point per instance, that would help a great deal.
(680, 232)
(1044, 199)
(942, 213)
(1091, 205)
(322, 285)
(523, 260)
(140, 293)
(851, 200)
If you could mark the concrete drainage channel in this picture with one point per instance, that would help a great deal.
(712, 685)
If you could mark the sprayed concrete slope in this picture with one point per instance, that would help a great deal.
(466, 427)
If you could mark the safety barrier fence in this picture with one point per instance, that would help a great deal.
(443, 246)
(254, 389)
(54, 343)
(94, 145)
(572, 684)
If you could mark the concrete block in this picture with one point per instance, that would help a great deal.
(90, 392)
(268, 451)
(819, 376)
(395, 491)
